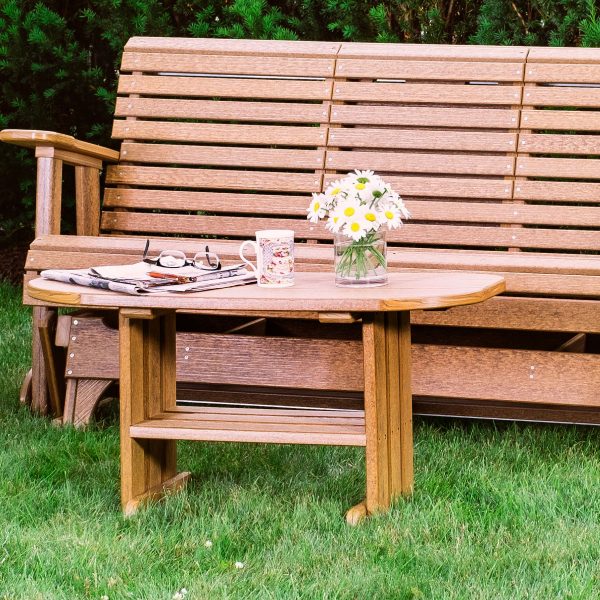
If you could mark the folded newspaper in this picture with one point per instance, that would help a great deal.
(145, 278)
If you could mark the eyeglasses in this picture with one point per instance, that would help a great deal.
(174, 259)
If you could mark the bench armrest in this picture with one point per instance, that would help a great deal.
(52, 150)
(32, 138)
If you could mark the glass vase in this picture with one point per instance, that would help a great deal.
(360, 263)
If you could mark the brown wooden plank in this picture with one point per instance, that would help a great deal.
(558, 191)
(477, 212)
(445, 52)
(224, 87)
(360, 137)
(230, 64)
(208, 201)
(562, 120)
(426, 93)
(560, 96)
(454, 164)
(509, 375)
(508, 312)
(223, 156)
(559, 167)
(285, 112)
(562, 73)
(444, 187)
(87, 200)
(559, 144)
(220, 133)
(429, 69)
(209, 178)
(426, 116)
(232, 46)
(568, 55)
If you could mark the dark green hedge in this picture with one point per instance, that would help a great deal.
(59, 58)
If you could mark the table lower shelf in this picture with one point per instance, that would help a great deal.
(265, 425)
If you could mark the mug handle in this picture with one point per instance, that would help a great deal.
(246, 261)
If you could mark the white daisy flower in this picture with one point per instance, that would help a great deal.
(390, 216)
(371, 218)
(356, 226)
(334, 189)
(335, 222)
(316, 209)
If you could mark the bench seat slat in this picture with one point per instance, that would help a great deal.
(224, 87)
(427, 93)
(562, 73)
(223, 156)
(220, 133)
(214, 178)
(362, 137)
(425, 116)
(284, 112)
(231, 64)
(454, 164)
(430, 69)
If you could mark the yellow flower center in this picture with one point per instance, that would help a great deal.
(370, 217)
(317, 206)
(355, 226)
(360, 186)
(389, 214)
(336, 191)
(349, 211)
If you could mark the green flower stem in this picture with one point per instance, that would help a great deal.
(360, 257)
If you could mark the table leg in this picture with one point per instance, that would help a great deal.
(388, 412)
(147, 386)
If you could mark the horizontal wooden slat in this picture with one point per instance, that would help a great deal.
(223, 156)
(230, 64)
(472, 212)
(511, 375)
(453, 164)
(559, 144)
(561, 96)
(506, 312)
(559, 167)
(232, 46)
(286, 112)
(445, 187)
(219, 133)
(558, 191)
(427, 93)
(430, 69)
(209, 178)
(425, 116)
(362, 137)
(562, 73)
(207, 201)
(444, 235)
(561, 120)
(224, 87)
(559, 54)
(443, 52)
(262, 433)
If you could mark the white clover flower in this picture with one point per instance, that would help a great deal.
(208, 544)
(239, 565)
(105, 597)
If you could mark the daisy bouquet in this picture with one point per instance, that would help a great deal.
(358, 209)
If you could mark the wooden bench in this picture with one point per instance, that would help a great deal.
(493, 149)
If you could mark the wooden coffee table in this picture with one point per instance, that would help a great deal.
(151, 422)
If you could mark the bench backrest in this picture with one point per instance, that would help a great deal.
(492, 147)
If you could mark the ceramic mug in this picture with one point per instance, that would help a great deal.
(274, 257)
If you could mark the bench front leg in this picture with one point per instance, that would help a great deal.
(388, 412)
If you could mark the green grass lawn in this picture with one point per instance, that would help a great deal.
(500, 511)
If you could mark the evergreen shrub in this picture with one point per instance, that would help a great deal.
(59, 59)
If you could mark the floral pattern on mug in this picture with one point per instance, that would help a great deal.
(278, 261)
